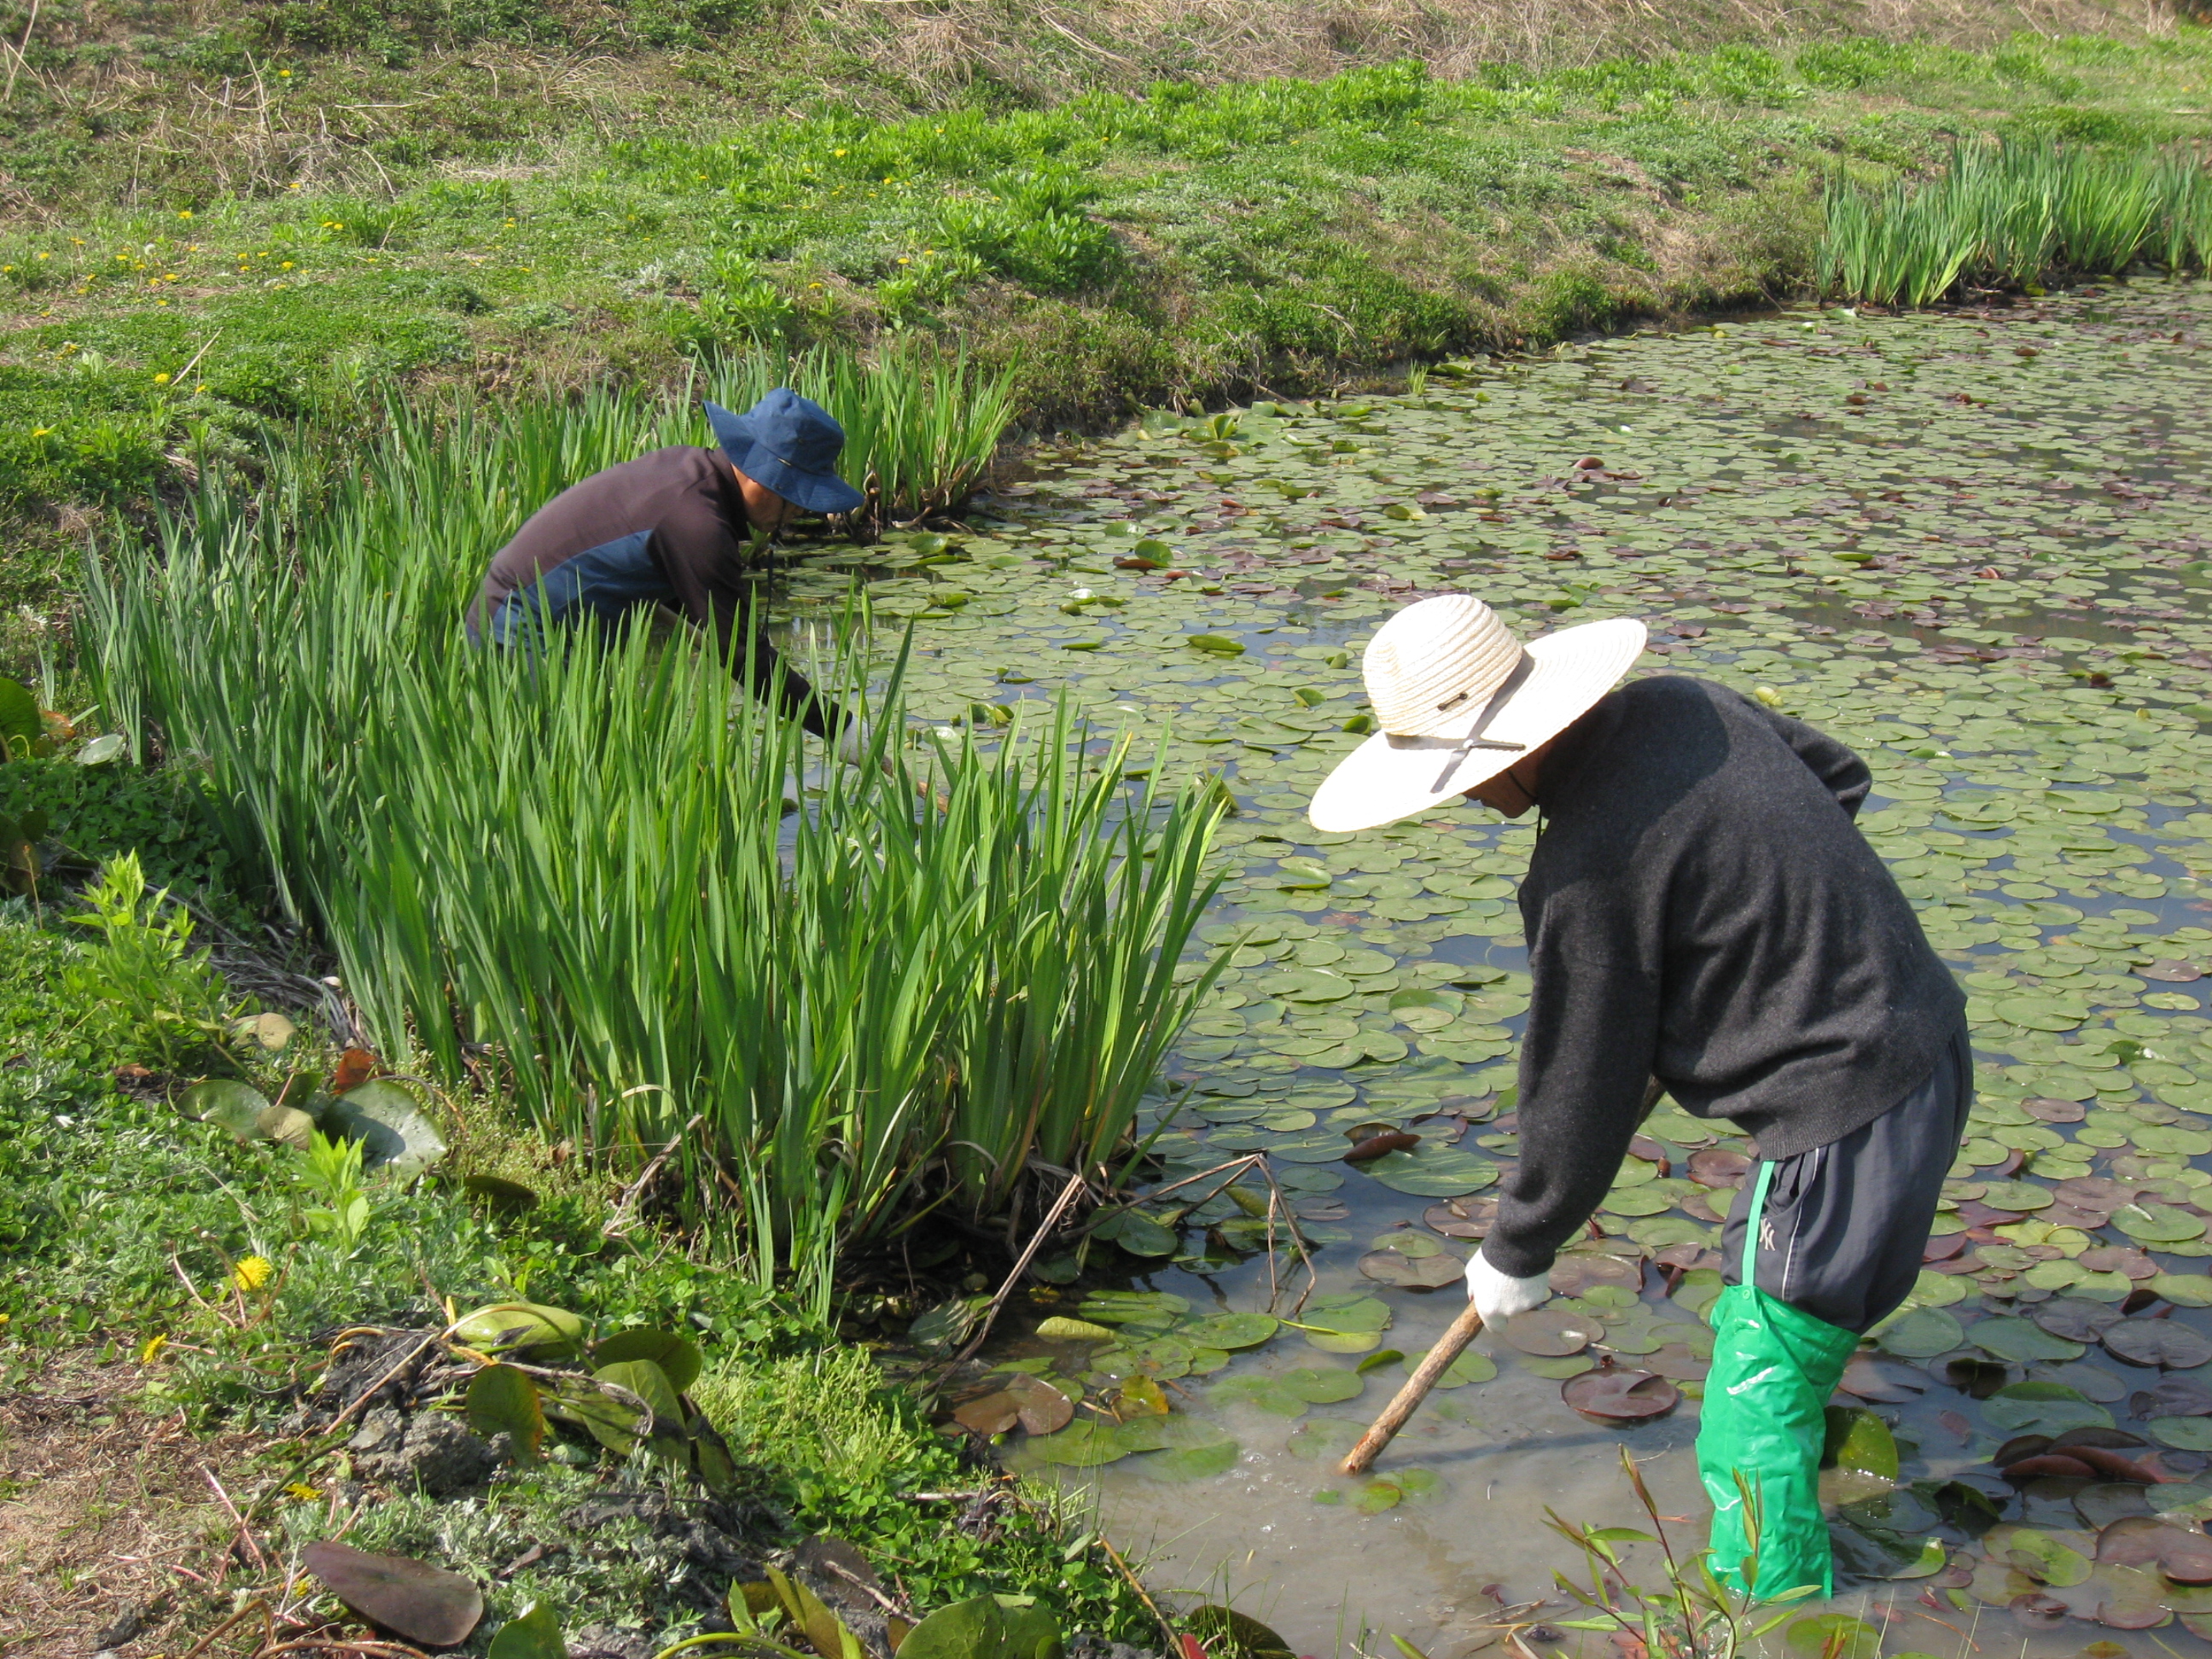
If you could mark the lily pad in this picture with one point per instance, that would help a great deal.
(1325, 1439)
(677, 1356)
(1231, 1331)
(1432, 1170)
(2158, 1224)
(412, 1599)
(1616, 1396)
(1551, 1332)
(1922, 1333)
(2020, 1341)
(1322, 1388)
(1412, 1273)
(2035, 1407)
(503, 1399)
(1858, 1440)
(396, 1134)
(2158, 1342)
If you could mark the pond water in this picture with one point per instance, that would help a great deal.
(1975, 546)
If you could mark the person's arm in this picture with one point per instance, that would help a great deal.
(706, 566)
(1585, 1063)
(1840, 771)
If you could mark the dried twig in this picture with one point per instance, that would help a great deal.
(257, 1605)
(619, 1223)
(377, 1387)
(245, 1532)
(1167, 1628)
(1075, 1184)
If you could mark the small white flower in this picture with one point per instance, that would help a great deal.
(1080, 593)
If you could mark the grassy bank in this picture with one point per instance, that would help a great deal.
(1178, 241)
(190, 1269)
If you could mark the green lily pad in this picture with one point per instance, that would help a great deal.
(396, 1134)
(2018, 1340)
(1437, 1172)
(2158, 1224)
(1229, 1331)
(1322, 1388)
(2049, 1408)
(1325, 1439)
(1468, 1368)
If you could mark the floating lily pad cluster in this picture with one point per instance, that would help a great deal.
(1977, 547)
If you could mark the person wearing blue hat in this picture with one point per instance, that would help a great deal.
(671, 528)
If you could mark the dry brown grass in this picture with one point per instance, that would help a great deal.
(112, 1535)
(1045, 52)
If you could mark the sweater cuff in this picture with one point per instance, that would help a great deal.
(1517, 1261)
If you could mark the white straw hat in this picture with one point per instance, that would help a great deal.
(1459, 699)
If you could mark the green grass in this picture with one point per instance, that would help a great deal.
(107, 1203)
(1124, 245)
(874, 1006)
(2017, 215)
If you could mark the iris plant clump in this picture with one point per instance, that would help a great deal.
(2014, 214)
(841, 995)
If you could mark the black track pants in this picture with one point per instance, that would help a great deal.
(1846, 1223)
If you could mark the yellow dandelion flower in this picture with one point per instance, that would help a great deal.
(152, 1350)
(303, 1491)
(252, 1273)
(185, 214)
(161, 380)
(836, 152)
(283, 75)
(40, 431)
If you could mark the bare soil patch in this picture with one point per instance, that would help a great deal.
(112, 1536)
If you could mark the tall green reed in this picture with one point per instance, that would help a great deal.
(921, 430)
(842, 1002)
(2016, 215)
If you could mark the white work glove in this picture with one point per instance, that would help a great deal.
(1499, 1296)
(851, 744)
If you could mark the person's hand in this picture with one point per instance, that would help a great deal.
(851, 746)
(1500, 1296)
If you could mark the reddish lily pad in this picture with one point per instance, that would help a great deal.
(2158, 1342)
(1041, 1407)
(1717, 1166)
(412, 1599)
(2142, 1541)
(993, 1414)
(1617, 1395)
(1462, 1218)
(2073, 1319)
(1883, 1381)
(1575, 1273)
(2172, 972)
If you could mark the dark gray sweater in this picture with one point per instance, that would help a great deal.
(1701, 908)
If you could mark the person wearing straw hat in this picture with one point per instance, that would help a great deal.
(674, 528)
(1704, 919)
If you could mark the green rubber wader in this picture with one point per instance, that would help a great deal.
(1774, 1367)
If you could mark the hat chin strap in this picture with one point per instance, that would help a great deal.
(1462, 747)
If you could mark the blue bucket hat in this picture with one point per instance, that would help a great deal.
(790, 443)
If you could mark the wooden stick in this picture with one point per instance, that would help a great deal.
(1449, 1346)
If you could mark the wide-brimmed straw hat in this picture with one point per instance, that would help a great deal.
(1459, 699)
